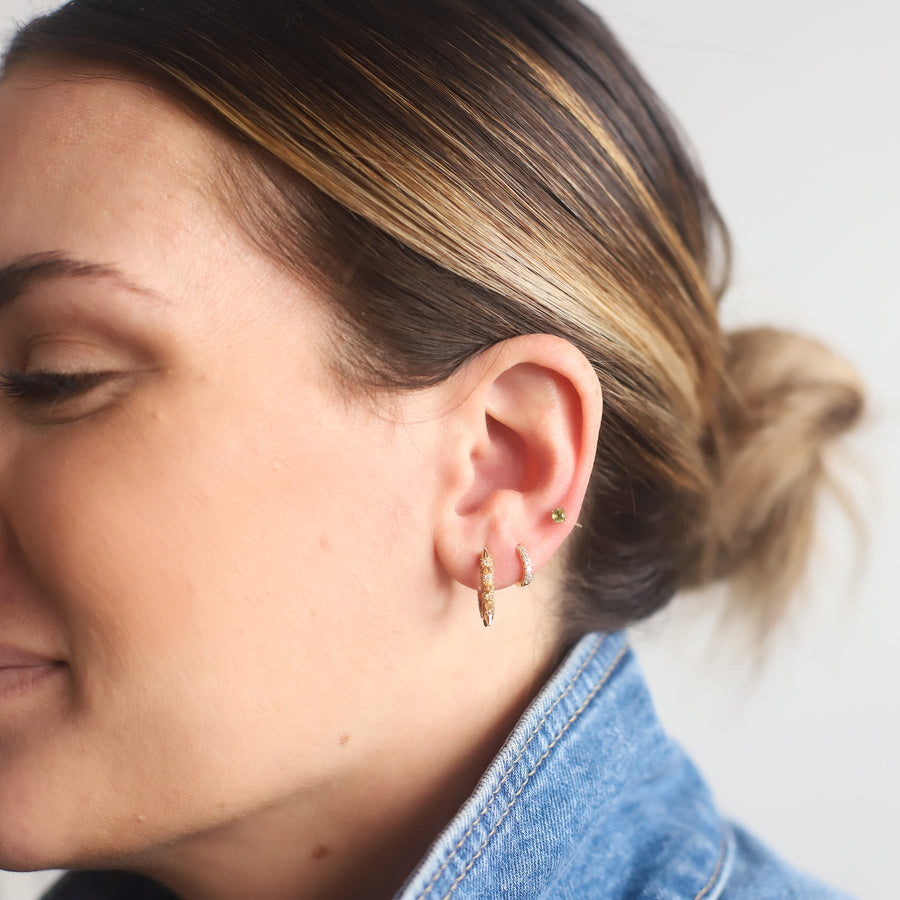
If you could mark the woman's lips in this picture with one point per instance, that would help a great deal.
(22, 671)
(15, 658)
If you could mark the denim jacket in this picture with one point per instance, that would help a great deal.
(587, 800)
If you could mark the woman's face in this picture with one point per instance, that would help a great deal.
(200, 572)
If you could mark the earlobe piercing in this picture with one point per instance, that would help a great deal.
(486, 591)
(527, 570)
(486, 588)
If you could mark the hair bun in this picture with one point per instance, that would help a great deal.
(786, 398)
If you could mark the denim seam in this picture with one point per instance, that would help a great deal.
(597, 688)
(723, 845)
(507, 773)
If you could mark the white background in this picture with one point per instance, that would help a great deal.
(794, 108)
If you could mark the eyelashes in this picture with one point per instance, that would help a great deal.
(48, 388)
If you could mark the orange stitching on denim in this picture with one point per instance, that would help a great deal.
(712, 880)
(565, 728)
(507, 773)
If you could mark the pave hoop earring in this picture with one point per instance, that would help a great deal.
(527, 569)
(486, 590)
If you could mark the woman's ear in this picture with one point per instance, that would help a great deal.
(524, 443)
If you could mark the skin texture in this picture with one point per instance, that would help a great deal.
(269, 677)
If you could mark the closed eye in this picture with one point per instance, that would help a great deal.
(46, 388)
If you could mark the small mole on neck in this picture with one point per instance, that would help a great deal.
(320, 852)
(344, 740)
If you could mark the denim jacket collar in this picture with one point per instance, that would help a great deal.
(589, 798)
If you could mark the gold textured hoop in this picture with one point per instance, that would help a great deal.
(486, 591)
(527, 569)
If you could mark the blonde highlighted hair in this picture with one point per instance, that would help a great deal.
(458, 172)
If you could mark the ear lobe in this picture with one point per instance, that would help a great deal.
(529, 423)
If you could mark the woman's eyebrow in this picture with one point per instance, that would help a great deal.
(17, 277)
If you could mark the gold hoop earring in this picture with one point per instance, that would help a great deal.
(527, 569)
(486, 591)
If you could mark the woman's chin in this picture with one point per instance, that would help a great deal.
(44, 831)
(22, 851)
(30, 847)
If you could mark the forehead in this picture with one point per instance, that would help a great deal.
(95, 163)
(59, 126)
(75, 107)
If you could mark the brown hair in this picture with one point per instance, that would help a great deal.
(458, 172)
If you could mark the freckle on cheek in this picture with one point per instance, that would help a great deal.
(320, 852)
(345, 739)
(325, 543)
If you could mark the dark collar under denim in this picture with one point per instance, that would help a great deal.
(587, 800)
